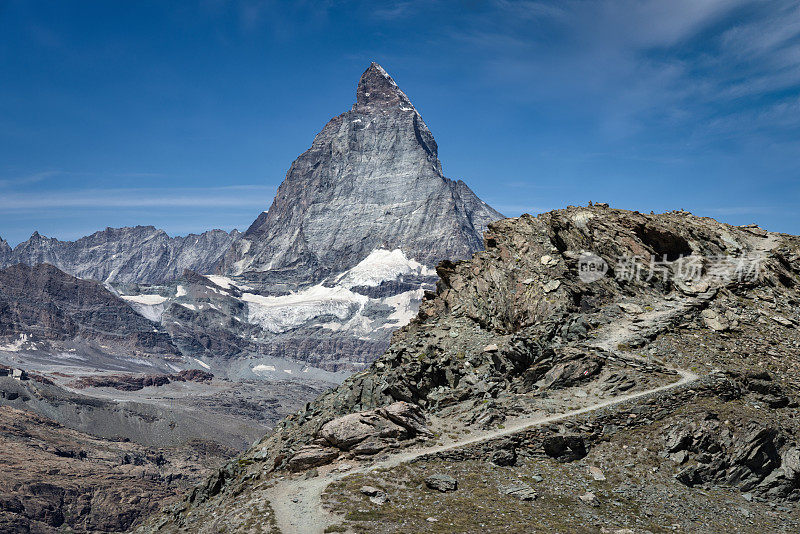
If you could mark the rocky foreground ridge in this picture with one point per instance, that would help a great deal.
(528, 383)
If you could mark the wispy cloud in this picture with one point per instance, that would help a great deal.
(240, 196)
(27, 179)
(637, 64)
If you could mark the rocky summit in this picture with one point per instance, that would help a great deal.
(371, 180)
(592, 370)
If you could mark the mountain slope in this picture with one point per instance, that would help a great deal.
(55, 479)
(42, 303)
(141, 254)
(371, 179)
(522, 363)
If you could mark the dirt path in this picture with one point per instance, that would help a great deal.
(298, 503)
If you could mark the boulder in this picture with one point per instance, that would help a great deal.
(520, 491)
(443, 483)
(312, 457)
(565, 448)
(376, 496)
(372, 431)
(504, 457)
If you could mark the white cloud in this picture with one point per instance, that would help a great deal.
(242, 196)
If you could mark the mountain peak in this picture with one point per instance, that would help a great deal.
(377, 89)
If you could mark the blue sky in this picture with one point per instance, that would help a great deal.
(186, 115)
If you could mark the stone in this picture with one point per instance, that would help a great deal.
(443, 483)
(677, 438)
(790, 462)
(371, 431)
(520, 491)
(551, 286)
(565, 448)
(588, 498)
(376, 496)
(492, 347)
(312, 457)
(715, 321)
(504, 457)
(782, 320)
(629, 307)
(679, 457)
(596, 473)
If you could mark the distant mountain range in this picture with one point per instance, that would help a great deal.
(142, 254)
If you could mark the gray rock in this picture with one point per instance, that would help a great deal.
(312, 456)
(376, 496)
(679, 457)
(371, 431)
(520, 491)
(504, 457)
(565, 448)
(596, 473)
(443, 483)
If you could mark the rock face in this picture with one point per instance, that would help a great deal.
(142, 254)
(371, 179)
(44, 303)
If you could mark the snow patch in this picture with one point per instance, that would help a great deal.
(16, 345)
(380, 266)
(260, 368)
(406, 306)
(180, 291)
(148, 306)
(147, 300)
(279, 314)
(202, 363)
(222, 281)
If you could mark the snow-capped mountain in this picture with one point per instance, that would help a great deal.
(371, 180)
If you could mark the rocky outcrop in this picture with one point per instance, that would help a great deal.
(371, 179)
(754, 457)
(137, 382)
(362, 434)
(44, 303)
(141, 254)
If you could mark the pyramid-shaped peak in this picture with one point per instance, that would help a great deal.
(376, 89)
